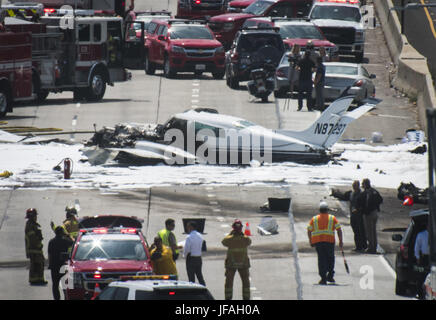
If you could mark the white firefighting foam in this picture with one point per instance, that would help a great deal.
(386, 166)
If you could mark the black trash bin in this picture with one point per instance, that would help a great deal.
(200, 222)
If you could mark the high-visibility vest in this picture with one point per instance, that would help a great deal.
(323, 231)
(164, 234)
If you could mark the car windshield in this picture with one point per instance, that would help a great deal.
(300, 32)
(336, 12)
(252, 42)
(347, 70)
(146, 20)
(110, 249)
(257, 8)
(190, 32)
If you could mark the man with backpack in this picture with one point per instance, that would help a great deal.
(371, 205)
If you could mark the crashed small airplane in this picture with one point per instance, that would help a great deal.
(204, 136)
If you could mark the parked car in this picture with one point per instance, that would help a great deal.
(405, 259)
(183, 46)
(106, 248)
(226, 26)
(146, 17)
(339, 76)
(238, 5)
(154, 289)
(250, 50)
(301, 32)
(194, 9)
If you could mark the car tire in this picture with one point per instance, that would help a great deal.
(281, 93)
(264, 97)
(97, 87)
(149, 66)
(168, 71)
(218, 75)
(4, 102)
(400, 287)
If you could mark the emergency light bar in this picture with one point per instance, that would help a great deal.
(274, 19)
(152, 277)
(341, 1)
(109, 230)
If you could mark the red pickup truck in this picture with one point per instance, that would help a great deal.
(226, 26)
(193, 9)
(15, 69)
(106, 248)
(183, 46)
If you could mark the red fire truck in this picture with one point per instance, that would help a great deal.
(15, 69)
(76, 53)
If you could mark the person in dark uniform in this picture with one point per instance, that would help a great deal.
(356, 217)
(33, 240)
(60, 244)
(305, 85)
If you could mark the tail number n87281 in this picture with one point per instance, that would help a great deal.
(329, 128)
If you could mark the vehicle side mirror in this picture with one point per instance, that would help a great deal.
(372, 76)
(397, 237)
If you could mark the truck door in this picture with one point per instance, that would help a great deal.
(162, 38)
(134, 44)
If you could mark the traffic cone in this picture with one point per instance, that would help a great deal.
(247, 231)
(408, 201)
(96, 291)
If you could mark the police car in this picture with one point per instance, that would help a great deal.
(154, 288)
(342, 24)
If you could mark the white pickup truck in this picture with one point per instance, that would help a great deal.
(341, 24)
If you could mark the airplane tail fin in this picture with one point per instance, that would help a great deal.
(330, 126)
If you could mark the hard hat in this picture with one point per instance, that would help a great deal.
(323, 205)
(31, 212)
(72, 210)
(237, 225)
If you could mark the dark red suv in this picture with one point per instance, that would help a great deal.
(183, 46)
(106, 248)
(225, 26)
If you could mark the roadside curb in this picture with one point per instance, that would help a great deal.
(413, 75)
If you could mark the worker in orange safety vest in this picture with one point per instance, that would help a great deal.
(321, 233)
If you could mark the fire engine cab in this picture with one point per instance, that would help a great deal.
(75, 53)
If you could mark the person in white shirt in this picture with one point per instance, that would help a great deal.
(192, 253)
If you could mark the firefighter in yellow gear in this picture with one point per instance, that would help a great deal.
(33, 240)
(169, 239)
(70, 224)
(237, 260)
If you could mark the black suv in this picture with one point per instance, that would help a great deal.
(405, 261)
(251, 49)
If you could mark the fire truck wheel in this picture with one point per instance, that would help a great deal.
(150, 67)
(97, 87)
(168, 71)
(3, 102)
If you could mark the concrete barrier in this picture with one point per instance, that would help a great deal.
(413, 76)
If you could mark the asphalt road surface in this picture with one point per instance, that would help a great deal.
(281, 268)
